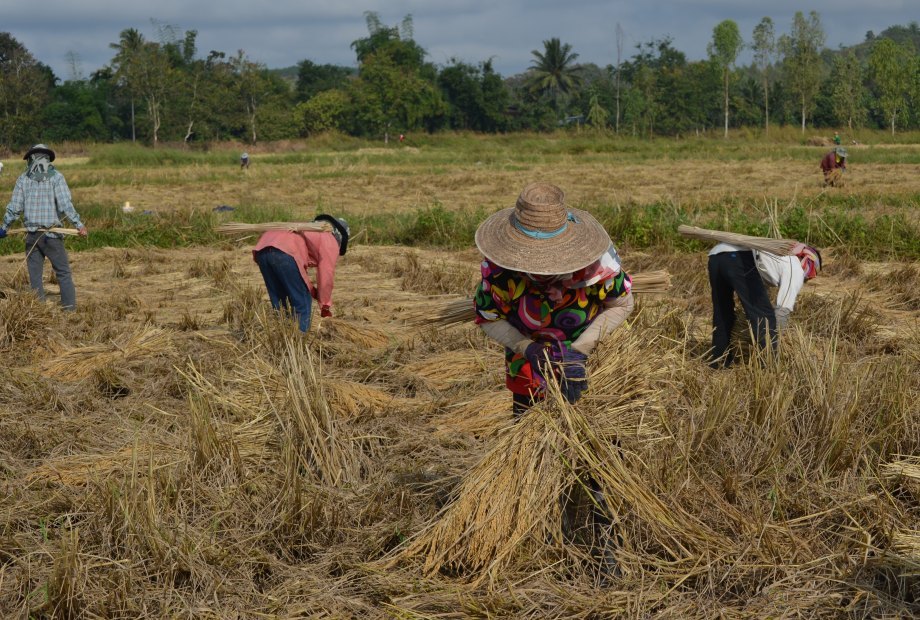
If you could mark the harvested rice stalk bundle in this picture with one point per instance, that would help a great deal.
(907, 467)
(906, 543)
(79, 469)
(484, 415)
(647, 282)
(233, 228)
(441, 312)
(327, 448)
(446, 370)
(22, 317)
(80, 362)
(447, 311)
(55, 229)
(348, 399)
(509, 500)
(780, 247)
(362, 335)
(681, 534)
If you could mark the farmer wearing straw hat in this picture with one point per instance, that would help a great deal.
(552, 287)
(736, 270)
(834, 165)
(41, 197)
(284, 256)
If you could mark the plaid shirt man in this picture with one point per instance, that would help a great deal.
(41, 203)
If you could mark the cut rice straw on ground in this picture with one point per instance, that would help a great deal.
(233, 228)
(482, 416)
(79, 469)
(447, 311)
(780, 247)
(80, 362)
(453, 368)
(362, 335)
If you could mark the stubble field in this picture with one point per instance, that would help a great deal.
(174, 449)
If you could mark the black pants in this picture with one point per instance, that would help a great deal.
(735, 272)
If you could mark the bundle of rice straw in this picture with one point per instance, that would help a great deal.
(60, 231)
(780, 247)
(80, 362)
(79, 469)
(359, 334)
(446, 311)
(452, 368)
(509, 506)
(483, 415)
(233, 228)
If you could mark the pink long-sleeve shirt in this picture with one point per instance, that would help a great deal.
(308, 249)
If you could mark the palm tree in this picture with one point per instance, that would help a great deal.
(126, 61)
(554, 71)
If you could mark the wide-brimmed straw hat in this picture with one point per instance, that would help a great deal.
(39, 148)
(540, 235)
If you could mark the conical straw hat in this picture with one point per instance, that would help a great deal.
(539, 235)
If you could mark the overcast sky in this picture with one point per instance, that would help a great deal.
(279, 33)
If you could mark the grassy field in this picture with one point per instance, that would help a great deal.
(175, 450)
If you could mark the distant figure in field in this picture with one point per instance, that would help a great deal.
(244, 160)
(284, 256)
(402, 137)
(833, 166)
(836, 138)
(41, 197)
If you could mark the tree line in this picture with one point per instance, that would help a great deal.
(162, 89)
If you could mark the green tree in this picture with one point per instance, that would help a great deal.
(76, 112)
(313, 78)
(849, 94)
(387, 96)
(126, 66)
(724, 49)
(325, 111)
(764, 46)
(553, 71)
(265, 99)
(802, 60)
(395, 42)
(155, 83)
(25, 87)
(475, 95)
(892, 68)
(597, 115)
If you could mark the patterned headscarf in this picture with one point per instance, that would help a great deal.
(39, 167)
(810, 258)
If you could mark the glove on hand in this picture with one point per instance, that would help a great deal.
(571, 364)
(782, 317)
(2, 233)
(325, 311)
(535, 354)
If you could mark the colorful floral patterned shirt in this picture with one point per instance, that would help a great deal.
(546, 308)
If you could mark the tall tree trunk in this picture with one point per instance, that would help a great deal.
(133, 132)
(766, 107)
(803, 114)
(726, 103)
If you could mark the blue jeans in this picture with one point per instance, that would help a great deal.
(40, 246)
(285, 284)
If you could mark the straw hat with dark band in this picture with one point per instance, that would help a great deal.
(539, 235)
